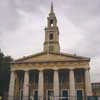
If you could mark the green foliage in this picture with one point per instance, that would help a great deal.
(4, 72)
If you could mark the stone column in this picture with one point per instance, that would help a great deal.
(72, 84)
(40, 86)
(56, 85)
(11, 86)
(88, 87)
(26, 86)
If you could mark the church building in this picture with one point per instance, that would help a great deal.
(50, 74)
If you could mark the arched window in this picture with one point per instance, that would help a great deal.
(51, 36)
(51, 22)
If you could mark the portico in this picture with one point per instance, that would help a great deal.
(45, 82)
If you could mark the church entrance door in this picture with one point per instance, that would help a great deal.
(35, 95)
(64, 95)
(79, 95)
(50, 94)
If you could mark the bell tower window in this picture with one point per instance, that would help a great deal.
(51, 22)
(51, 36)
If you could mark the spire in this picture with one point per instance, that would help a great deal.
(52, 7)
(51, 43)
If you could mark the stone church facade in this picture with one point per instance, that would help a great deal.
(50, 75)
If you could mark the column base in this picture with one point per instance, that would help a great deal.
(11, 98)
(56, 98)
(72, 98)
(40, 97)
(25, 98)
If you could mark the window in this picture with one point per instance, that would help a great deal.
(79, 76)
(49, 77)
(63, 77)
(51, 22)
(51, 36)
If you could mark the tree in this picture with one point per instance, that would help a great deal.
(4, 72)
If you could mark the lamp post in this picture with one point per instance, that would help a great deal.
(0, 97)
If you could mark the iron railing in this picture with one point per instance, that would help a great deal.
(54, 98)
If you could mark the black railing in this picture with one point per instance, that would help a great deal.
(53, 98)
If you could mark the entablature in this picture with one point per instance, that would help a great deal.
(50, 65)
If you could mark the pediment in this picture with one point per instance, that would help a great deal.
(43, 57)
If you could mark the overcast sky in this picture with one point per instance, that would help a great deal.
(22, 24)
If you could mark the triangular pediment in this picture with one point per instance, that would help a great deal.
(43, 57)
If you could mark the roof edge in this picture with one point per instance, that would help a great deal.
(62, 54)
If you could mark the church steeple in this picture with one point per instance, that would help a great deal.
(51, 43)
(52, 7)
